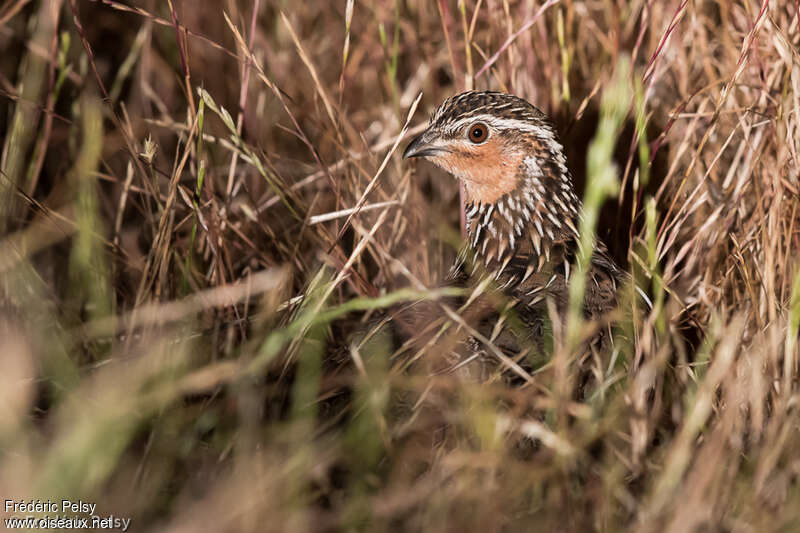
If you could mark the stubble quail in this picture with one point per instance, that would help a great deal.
(522, 213)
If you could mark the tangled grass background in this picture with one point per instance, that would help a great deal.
(203, 210)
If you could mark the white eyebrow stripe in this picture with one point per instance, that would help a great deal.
(498, 123)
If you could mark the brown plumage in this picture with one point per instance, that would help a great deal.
(521, 208)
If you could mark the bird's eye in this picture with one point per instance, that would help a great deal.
(478, 132)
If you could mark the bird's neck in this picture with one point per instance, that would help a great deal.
(525, 223)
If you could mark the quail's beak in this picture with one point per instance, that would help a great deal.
(423, 146)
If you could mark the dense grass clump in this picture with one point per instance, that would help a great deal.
(206, 227)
